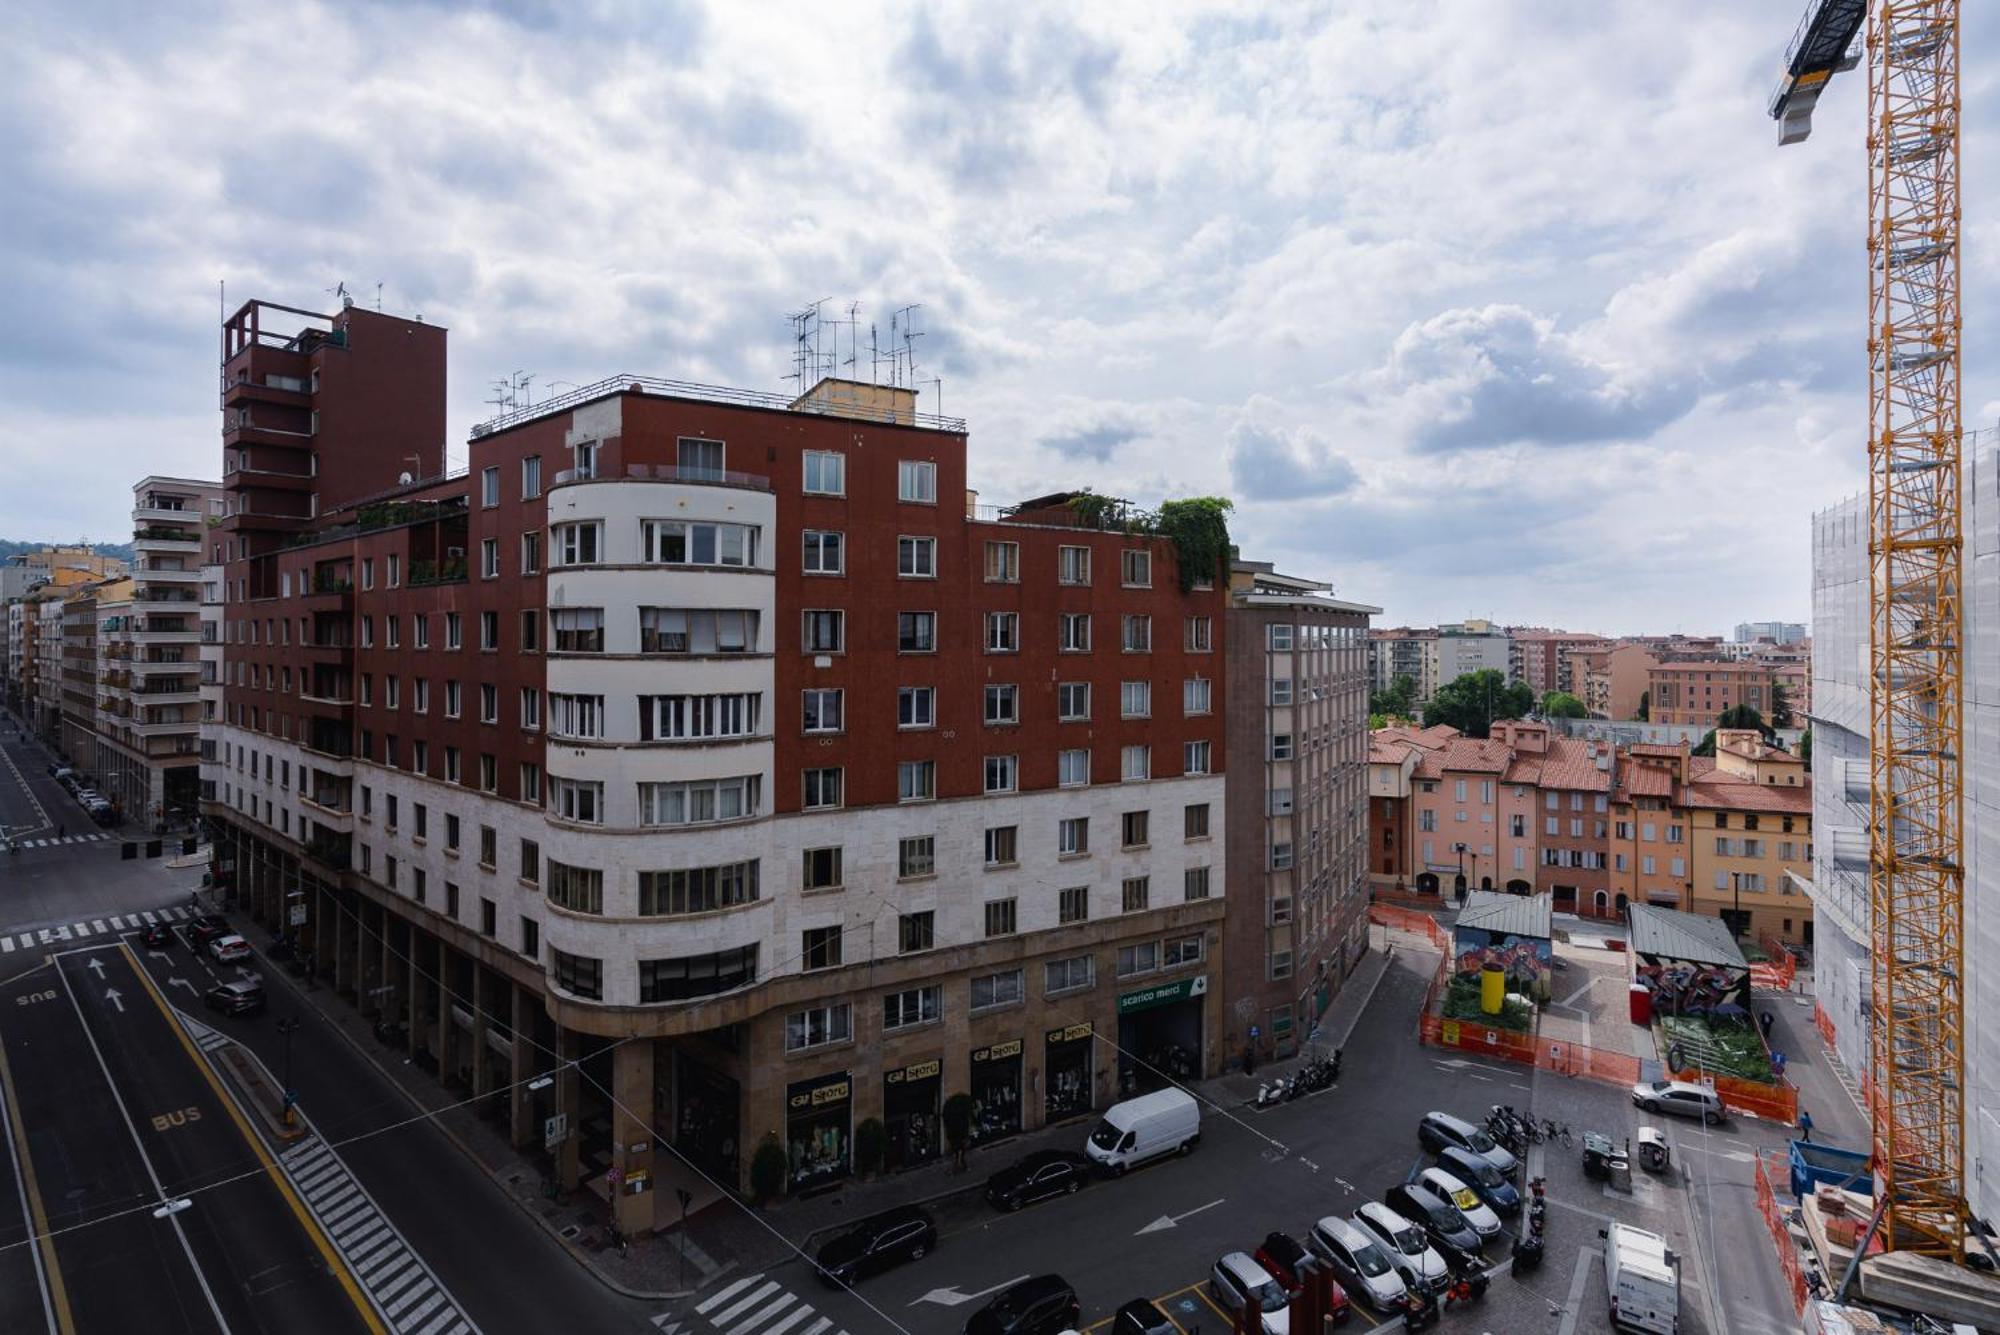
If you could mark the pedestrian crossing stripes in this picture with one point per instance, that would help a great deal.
(754, 1305)
(85, 928)
(396, 1280)
(205, 1038)
(52, 840)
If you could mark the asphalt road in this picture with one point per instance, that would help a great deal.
(119, 1117)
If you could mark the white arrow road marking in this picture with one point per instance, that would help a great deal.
(96, 966)
(180, 981)
(1344, 1184)
(953, 1298)
(111, 994)
(1167, 1221)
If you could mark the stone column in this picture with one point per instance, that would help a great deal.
(479, 1045)
(442, 1043)
(521, 1128)
(567, 1103)
(632, 1133)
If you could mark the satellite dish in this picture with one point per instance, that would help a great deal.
(405, 478)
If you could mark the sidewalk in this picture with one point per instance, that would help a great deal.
(1233, 1087)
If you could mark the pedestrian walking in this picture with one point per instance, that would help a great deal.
(1805, 1126)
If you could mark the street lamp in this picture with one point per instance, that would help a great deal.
(1460, 849)
(287, 1027)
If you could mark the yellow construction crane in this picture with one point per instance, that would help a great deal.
(1915, 868)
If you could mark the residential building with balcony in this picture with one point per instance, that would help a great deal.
(712, 748)
(1612, 679)
(78, 689)
(1649, 852)
(1401, 651)
(1572, 779)
(1472, 809)
(1778, 632)
(1393, 756)
(1750, 824)
(1697, 691)
(24, 572)
(1543, 658)
(1296, 847)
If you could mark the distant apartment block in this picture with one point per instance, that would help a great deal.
(1697, 691)
(1778, 632)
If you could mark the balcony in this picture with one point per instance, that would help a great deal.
(166, 539)
(451, 570)
(328, 817)
(165, 666)
(145, 635)
(284, 391)
(163, 514)
(145, 575)
(703, 477)
(330, 850)
(167, 693)
(187, 727)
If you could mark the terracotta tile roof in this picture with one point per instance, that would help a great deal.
(1464, 755)
(1643, 781)
(1698, 766)
(1649, 749)
(1573, 764)
(1722, 792)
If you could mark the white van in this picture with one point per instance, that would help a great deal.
(1167, 1121)
(1642, 1279)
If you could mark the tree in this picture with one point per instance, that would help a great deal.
(1397, 700)
(1561, 704)
(1805, 746)
(1743, 716)
(1706, 746)
(1473, 702)
(1781, 706)
(1645, 706)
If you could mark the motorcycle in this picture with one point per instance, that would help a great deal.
(1271, 1092)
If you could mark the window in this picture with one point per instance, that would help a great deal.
(1281, 748)
(454, 631)
(825, 632)
(1197, 635)
(489, 702)
(916, 931)
(916, 707)
(489, 630)
(697, 630)
(1135, 763)
(489, 487)
(1195, 695)
(996, 989)
(1138, 637)
(1003, 774)
(420, 627)
(825, 473)
(822, 710)
(392, 631)
(1180, 950)
(453, 700)
(697, 975)
(825, 552)
(916, 632)
(1073, 974)
(677, 893)
(578, 975)
(675, 718)
(1194, 757)
(531, 705)
(489, 552)
(531, 938)
(1074, 633)
(1000, 918)
(531, 782)
(1132, 829)
(1194, 883)
(1136, 568)
(1073, 768)
(823, 788)
(916, 856)
(1003, 704)
(1279, 638)
(1073, 836)
(579, 889)
(916, 780)
(916, 481)
(1003, 563)
(919, 1005)
(1000, 846)
(822, 869)
(531, 477)
(367, 572)
(916, 558)
(1073, 701)
(1003, 632)
(819, 948)
(489, 846)
(1281, 856)
(1194, 821)
(577, 544)
(699, 801)
(1281, 964)
(531, 553)
(679, 543)
(1144, 957)
(531, 860)
(698, 460)
(1135, 699)
(822, 1024)
(1281, 691)
(423, 817)
(1134, 892)
(1073, 565)
(576, 799)
(569, 715)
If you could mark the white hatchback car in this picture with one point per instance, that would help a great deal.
(1476, 1211)
(1406, 1247)
(228, 949)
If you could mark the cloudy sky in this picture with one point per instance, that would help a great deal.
(1476, 307)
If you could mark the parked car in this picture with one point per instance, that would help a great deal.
(1237, 1283)
(1440, 1130)
(228, 948)
(1472, 1169)
(1166, 1121)
(1141, 1317)
(1406, 1246)
(1682, 1099)
(1282, 1255)
(1043, 1305)
(1442, 1222)
(1359, 1263)
(875, 1244)
(157, 937)
(206, 928)
(1477, 1213)
(1036, 1177)
(243, 996)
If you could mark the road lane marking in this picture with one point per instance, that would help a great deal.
(1574, 1307)
(48, 1274)
(769, 1287)
(319, 1240)
(718, 1299)
(765, 1313)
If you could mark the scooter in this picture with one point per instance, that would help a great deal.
(1272, 1092)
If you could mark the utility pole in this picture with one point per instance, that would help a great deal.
(287, 1027)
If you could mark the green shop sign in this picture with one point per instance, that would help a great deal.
(1166, 994)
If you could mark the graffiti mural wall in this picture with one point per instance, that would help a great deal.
(1524, 959)
(1685, 987)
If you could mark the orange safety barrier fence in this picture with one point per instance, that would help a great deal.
(1408, 920)
(1769, 1162)
(1824, 1023)
(1778, 1103)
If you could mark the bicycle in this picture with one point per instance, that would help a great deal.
(1553, 1131)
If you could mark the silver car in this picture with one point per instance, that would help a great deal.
(1681, 1098)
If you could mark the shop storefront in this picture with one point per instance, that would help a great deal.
(705, 1118)
(910, 1102)
(1159, 1035)
(818, 1114)
(1067, 1064)
(996, 1091)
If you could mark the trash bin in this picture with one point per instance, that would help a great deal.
(1621, 1173)
(1640, 999)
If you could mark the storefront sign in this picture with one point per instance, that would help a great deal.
(914, 1072)
(998, 1051)
(818, 1093)
(1166, 994)
(1070, 1034)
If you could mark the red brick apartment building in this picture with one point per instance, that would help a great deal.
(710, 753)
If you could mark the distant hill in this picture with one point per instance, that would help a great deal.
(121, 550)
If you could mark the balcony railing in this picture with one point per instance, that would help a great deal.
(451, 570)
(709, 477)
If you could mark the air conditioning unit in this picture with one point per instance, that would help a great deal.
(454, 551)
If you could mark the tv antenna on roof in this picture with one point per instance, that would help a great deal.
(339, 292)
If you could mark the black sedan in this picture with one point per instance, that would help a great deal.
(1045, 1305)
(157, 937)
(875, 1244)
(1037, 1177)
